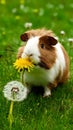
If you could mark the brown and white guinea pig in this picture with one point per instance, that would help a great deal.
(50, 58)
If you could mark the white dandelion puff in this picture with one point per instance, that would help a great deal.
(62, 32)
(70, 40)
(50, 6)
(15, 91)
(22, 7)
(28, 25)
(14, 10)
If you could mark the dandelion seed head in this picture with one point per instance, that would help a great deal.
(22, 7)
(28, 25)
(14, 10)
(15, 91)
(62, 32)
(70, 40)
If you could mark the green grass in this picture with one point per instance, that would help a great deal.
(36, 112)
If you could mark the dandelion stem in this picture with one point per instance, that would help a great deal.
(10, 116)
(22, 73)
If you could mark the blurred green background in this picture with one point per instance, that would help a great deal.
(35, 113)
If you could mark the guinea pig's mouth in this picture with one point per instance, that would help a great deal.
(42, 65)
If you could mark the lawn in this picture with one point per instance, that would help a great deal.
(36, 112)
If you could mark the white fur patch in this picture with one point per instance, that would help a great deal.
(60, 58)
(58, 66)
(31, 48)
(47, 92)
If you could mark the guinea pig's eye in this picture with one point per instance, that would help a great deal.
(42, 46)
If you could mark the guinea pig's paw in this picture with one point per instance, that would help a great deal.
(47, 92)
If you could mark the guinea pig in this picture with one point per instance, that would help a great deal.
(50, 58)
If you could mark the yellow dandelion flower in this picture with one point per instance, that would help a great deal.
(23, 63)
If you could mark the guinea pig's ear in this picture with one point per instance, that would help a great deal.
(24, 37)
(49, 40)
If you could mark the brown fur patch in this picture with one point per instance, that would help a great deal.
(40, 32)
(52, 85)
(37, 32)
(24, 37)
(48, 54)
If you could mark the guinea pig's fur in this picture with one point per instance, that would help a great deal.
(49, 56)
